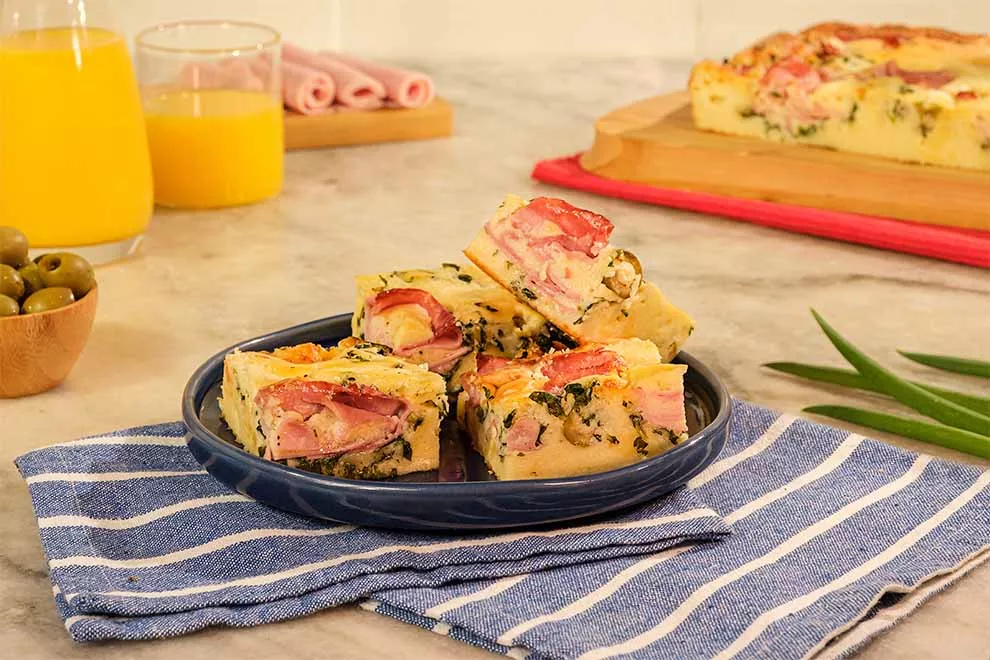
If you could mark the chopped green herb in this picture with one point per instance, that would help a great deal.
(518, 321)
(852, 113)
(415, 421)
(807, 131)
(581, 394)
(539, 436)
(490, 308)
(479, 412)
(642, 448)
(454, 266)
(384, 281)
(897, 111)
(612, 439)
(509, 420)
(527, 293)
(464, 277)
(746, 113)
(551, 402)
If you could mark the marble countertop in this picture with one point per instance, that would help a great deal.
(206, 280)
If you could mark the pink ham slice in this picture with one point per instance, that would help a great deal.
(582, 231)
(404, 88)
(662, 408)
(441, 351)
(355, 89)
(564, 368)
(522, 436)
(931, 79)
(305, 90)
(317, 419)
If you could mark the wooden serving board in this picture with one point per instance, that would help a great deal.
(336, 129)
(654, 142)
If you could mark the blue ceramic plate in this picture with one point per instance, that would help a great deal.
(461, 495)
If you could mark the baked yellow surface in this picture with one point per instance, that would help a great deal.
(615, 302)
(353, 362)
(593, 423)
(910, 94)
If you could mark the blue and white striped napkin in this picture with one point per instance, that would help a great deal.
(143, 543)
(835, 538)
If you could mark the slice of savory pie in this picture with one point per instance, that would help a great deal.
(351, 411)
(912, 94)
(568, 413)
(437, 317)
(557, 258)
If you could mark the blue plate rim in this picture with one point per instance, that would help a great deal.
(199, 384)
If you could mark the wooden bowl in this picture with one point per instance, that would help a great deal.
(37, 351)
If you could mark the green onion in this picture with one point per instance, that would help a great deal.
(850, 378)
(948, 363)
(936, 434)
(910, 395)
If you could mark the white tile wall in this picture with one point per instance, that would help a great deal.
(681, 29)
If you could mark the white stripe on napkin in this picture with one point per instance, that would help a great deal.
(196, 551)
(692, 602)
(488, 592)
(766, 619)
(768, 438)
(93, 477)
(137, 521)
(269, 578)
(834, 460)
(163, 440)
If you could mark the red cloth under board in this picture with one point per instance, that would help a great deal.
(964, 246)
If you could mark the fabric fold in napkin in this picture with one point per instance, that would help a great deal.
(143, 543)
(834, 539)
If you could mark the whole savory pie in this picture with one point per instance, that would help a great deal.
(910, 94)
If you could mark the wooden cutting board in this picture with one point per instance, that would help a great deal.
(336, 129)
(655, 142)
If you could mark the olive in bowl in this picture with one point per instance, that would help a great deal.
(64, 269)
(46, 314)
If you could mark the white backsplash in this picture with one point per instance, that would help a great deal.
(672, 29)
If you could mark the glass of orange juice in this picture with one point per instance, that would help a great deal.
(212, 96)
(74, 165)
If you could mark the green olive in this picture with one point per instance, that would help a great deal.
(11, 283)
(9, 306)
(64, 269)
(13, 247)
(48, 299)
(31, 275)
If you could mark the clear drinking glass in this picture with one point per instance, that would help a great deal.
(212, 96)
(74, 166)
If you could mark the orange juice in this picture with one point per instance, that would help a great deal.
(74, 167)
(215, 148)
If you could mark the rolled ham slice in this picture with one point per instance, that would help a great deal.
(405, 89)
(355, 89)
(305, 90)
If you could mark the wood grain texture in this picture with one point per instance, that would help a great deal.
(654, 142)
(337, 129)
(37, 351)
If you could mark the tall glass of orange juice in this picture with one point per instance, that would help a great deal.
(212, 96)
(74, 165)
